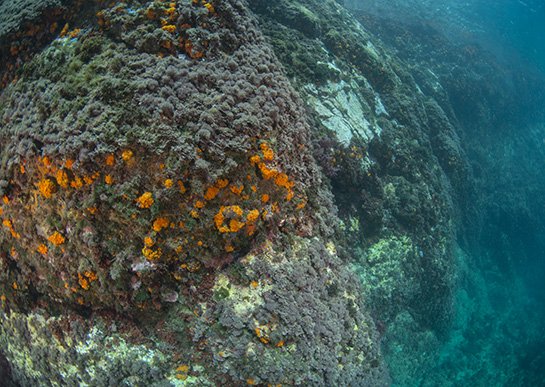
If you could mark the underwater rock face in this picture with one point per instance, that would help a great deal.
(162, 209)
(390, 151)
(454, 157)
(14, 13)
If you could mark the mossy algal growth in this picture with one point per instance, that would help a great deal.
(391, 153)
(163, 218)
(423, 138)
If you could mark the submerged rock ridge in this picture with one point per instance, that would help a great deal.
(392, 154)
(165, 220)
(428, 140)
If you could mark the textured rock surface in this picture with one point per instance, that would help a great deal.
(455, 161)
(339, 107)
(164, 219)
(387, 149)
(14, 13)
(195, 194)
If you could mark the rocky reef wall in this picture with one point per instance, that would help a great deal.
(164, 218)
(392, 153)
(430, 142)
(235, 193)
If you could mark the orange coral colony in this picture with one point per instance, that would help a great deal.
(56, 238)
(47, 187)
(145, 201)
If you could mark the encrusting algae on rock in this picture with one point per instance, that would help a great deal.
(180, 154)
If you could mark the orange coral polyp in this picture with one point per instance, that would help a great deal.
(218, 218)
(47, 187)
(42, 249)
(57, 239)
(171, 12)
(83, 282)
(150, 254)
(253, 215)
(160, 223)
(77, 183)
(282, 180)
(255, 159)
(303, 204)
(145, 201)
(237, 190)
(149, 242)
(266, 172)
(235, 225)
(210, 7)
(69, 163)
(110, 160)
(222, 183)
(236, 209)
(211, 193)
(268, 154)
(126, 155)
(169, 28)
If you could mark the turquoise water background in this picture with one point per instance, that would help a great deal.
(498, 336)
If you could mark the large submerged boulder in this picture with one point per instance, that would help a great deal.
(165, 221)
